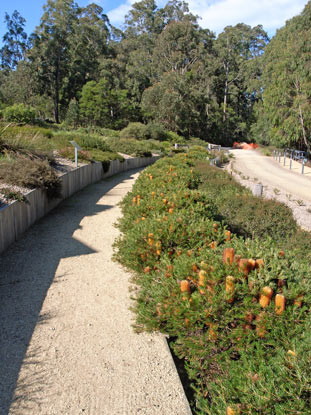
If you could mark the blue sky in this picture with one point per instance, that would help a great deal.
(215, 14)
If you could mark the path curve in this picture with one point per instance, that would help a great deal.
(279, 182)
(272, 173)
(66, 342)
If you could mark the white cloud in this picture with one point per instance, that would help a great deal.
(272, 14)
(217, 14)
(116, 16)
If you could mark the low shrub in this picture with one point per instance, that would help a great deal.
(156, 131)
(103, 132)
(195, 141)
(69, 153)
(31, 174)
(237, 309)
(89, 142)
(135, 148)
(107, 132)
(105, 157)
(175, 138)
(135, 130)
(19, 113)
(91, 155)
(246, 214)
(10, 194)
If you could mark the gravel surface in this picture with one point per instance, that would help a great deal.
(67, 346)
(287, 186)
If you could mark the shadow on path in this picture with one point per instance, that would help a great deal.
(27, 269)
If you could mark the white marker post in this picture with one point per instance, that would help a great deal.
(77, 148)
(303, 166)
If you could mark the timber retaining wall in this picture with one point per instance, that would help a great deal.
(17, 217)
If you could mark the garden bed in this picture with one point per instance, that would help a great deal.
(236, 308)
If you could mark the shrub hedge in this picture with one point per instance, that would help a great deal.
(219, 296)
(251, 216)
(19, 113)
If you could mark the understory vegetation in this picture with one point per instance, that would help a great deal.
(28, 153)
(229, 287)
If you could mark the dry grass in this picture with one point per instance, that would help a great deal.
(30, 173)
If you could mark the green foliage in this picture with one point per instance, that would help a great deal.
(174, 138)
(73, 114)
(163, 69)
(286, 107)
(237, 353)
(99, 131)
(102, 105)
(139, 131)
(93, 141)
(90, 155)
(106, 132)
(246, 215)
(19, 113)
(14, 41)
(135, 130)
(156, 132)
(239, 49)
(133, 147)
(103, 156)
(196, 141)
(66, 47)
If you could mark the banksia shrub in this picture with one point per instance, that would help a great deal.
(233, 306)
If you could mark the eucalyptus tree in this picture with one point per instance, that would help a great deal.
(14, 41)
(65, 49)
(237, 83)
(180, 95)
(176, 11)
(103, 105)
(287, 83)
(135, 53)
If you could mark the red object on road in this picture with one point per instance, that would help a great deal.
(245, 146)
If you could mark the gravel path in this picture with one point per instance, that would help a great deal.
(66, 342)
(279, 182)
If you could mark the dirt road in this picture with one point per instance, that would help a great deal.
(66, 342)
(272, 173)
(281, 183)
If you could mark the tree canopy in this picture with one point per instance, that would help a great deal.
(164, 68)
(287, 83)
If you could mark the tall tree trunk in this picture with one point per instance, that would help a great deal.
(56, 99)
(226, 92)
(304, 134)
(301, 119)
(225, 100)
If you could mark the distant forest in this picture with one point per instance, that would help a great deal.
(162, 68)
